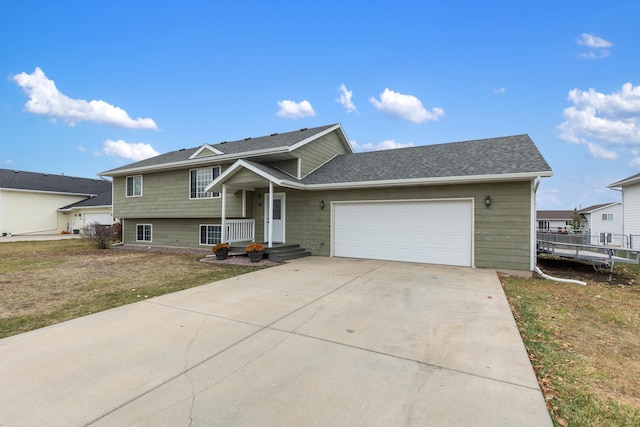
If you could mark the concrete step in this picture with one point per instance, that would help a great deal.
(282, 255)
(278, 253)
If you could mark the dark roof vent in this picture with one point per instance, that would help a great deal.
(246, 139)
(182, 149)
(303, 129)
(274, 134)
(223, 142)
(16, 171)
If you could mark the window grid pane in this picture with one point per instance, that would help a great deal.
(210, 234)
(200, 178)
(143, 232)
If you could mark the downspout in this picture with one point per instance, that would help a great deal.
(533, 257)
(558, 279)
(534, 238)
(270, 216)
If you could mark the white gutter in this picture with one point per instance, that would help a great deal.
(64, 193)
(430, 181)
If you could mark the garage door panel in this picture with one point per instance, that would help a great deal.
(100, 218)
(418, 231)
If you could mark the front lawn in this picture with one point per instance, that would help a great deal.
(43, 283)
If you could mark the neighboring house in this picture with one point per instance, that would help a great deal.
(604, 224)
(554, 221)
(40, 203)
(630, 188)
(467, 203)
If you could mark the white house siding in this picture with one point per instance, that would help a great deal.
(631, 207)
(598, 226)
(24, 212)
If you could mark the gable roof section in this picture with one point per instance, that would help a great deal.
(511, 157)
(42, 182)
(103, 199)
(204, 151)
(593, 208)
(232, 150)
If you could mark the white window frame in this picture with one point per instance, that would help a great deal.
(150, 232)
(607, 217)
(207, 195)
(219, 240)
(133, 187)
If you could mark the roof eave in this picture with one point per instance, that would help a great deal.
(64, 193)
(624, 182)
(528, 176)
(195, 162)
(217, 183)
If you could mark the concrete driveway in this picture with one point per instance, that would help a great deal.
(317, 341)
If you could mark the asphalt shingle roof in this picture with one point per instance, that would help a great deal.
(557, 215)
(274, 140)
(34, 181)
(492, 156)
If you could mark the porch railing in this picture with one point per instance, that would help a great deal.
(240, 230)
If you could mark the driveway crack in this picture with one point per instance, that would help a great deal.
(187, 369)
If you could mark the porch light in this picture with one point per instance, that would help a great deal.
(487, 201)
(321, 204)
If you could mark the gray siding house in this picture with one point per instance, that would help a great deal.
(469, 203)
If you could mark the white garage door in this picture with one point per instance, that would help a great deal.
(434, 232)
(100, 218)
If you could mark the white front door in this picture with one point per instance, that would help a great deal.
(278, 217)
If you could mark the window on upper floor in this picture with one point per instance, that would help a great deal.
(199, 179)
(607, 217)
(134, 186)
(143, 232)
(210, 234)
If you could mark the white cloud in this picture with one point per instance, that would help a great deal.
(387, 144)
(499, 90)
(131, 151)
(345, 99)
(81, 148)
(599, 152)
(46, 100)
(590, 40)
(292, 110)
(405, 107)
(598, 120)
(598, 45)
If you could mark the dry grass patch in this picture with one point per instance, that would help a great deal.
(42, 283)
(584, 344)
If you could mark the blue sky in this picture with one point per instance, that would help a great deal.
(89, 86)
